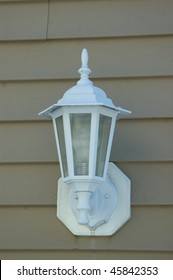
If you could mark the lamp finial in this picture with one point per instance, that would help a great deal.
(84, 70)
(84, 58)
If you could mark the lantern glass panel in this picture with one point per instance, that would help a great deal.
(80, 130)
(103, 139)
(60, 130)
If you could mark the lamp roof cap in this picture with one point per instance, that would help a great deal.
(84, 92)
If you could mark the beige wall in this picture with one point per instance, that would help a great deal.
(130, 53)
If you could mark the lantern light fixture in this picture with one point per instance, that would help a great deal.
(93, 194)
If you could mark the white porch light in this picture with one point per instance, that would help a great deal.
(93, 194)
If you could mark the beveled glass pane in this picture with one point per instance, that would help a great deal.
(60, 130)
(103, 139)
(80, 130)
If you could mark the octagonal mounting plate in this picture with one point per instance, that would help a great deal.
(120, 215)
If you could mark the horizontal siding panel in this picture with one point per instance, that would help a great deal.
(151, 182)
(135, 140)
(143, 140)
(36, 184)
(83, 255)
(29, 184)
(25, 100)
(145, 97)
(25, 1)
(27, 142)
(122, 18)
(35, 228)
(38, 224)
(126, 57)
(23, 20)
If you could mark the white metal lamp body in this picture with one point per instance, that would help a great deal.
(80, 140)
(91, 192)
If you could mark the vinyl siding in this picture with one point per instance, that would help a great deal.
(41, 229)
(147, 97)
(130, 53)
(35, 184)
(110, 58)
(34, 141)
(61, 19)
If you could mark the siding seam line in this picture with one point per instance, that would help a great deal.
(47, 27)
